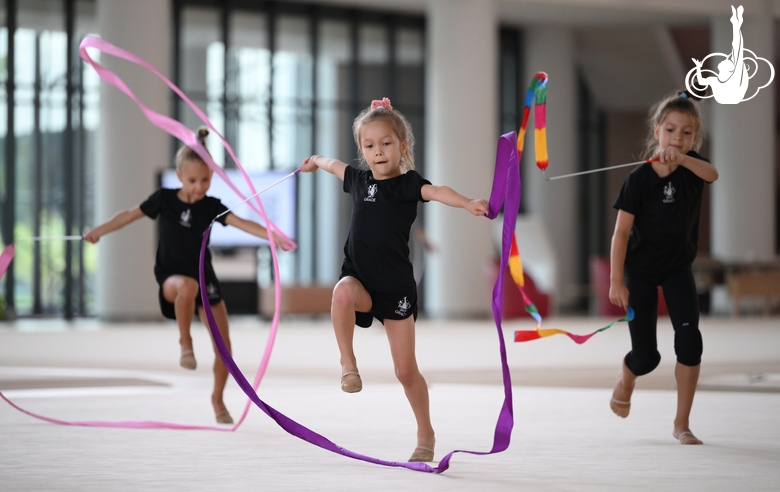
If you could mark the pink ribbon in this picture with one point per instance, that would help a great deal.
(189, 138)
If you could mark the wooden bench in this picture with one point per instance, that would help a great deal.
(297, 300)
(751, 283)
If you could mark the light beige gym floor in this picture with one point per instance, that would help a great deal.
(565, 437)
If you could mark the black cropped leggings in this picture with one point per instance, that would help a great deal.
(682, 301)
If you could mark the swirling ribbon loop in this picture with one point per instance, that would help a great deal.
(189, 138)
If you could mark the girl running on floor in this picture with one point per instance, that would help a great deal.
(185, 214)
(377, 280)
(654, 244)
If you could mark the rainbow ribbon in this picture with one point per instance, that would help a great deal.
(537, 95)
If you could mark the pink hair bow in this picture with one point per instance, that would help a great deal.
(384, 103)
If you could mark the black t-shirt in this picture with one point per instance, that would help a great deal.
(181, 232)
(382, 215)
(665, 234)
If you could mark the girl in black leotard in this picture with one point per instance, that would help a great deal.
(184, 215)
(654, 244)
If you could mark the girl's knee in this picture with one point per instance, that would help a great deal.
(344, 295)
(688, 346)
(407, 375)
(188, 289)
(641, 363)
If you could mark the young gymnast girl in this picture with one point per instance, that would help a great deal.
(185, 214)
(377, 280)
(654, 244)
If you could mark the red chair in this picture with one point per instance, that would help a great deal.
(513, 300)
(599, 284)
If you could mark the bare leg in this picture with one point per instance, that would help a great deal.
(220, 371)
(349, 296)
(400, 334)
(181, 291)
(621, 395)
(687, 379)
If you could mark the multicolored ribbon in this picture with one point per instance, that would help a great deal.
(537, 95)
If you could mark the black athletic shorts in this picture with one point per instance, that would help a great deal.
(215, 297)
(398, 304)
(389, 305)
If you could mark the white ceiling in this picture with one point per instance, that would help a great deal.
(584, 12)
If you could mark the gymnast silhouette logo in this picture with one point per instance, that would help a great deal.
(211, 290)
(403, 306)
(669, 193)
(371, 194)
(184, 220)
(730, 84)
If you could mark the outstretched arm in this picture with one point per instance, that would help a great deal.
(700, 168)
(116, 222)
(703, 169)
(448, 196)
(256, 229)
(333, 166)
(618, 293)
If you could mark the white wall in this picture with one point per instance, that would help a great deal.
(461, 132)
(555, 203)
(131, 151)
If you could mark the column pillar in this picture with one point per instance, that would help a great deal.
(743, 150)
(462, 134)
(131, 152)
(555, 203)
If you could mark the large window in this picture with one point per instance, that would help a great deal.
(280, 80)
(283, 81)
(48, 115)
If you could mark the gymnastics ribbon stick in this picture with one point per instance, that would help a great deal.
(257, 194)
(537, 95)
(506, 195)
(52, 238)
(648, 161)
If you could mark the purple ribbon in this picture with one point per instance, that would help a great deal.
(506, 194)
